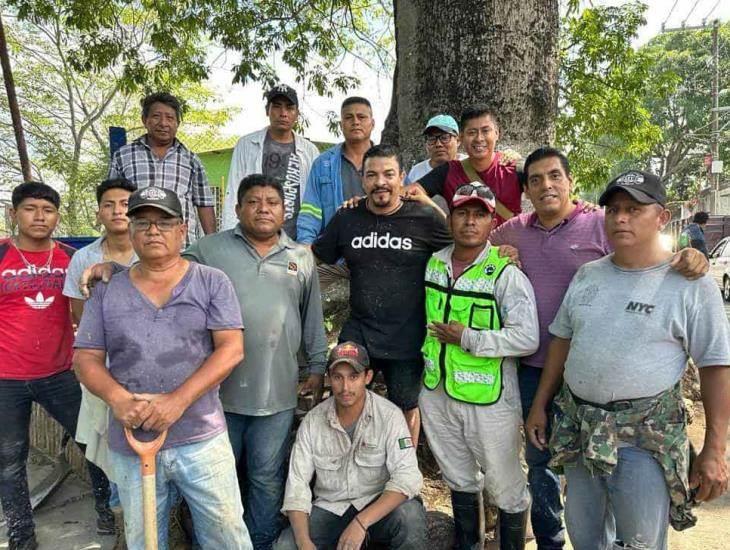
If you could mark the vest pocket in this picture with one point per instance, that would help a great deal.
(481, 317)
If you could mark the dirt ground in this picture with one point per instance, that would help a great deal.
(712, 531)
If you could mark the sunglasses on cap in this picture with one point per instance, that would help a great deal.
(474, 190)
(471, 191)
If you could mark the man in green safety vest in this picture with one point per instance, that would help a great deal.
(481, 314)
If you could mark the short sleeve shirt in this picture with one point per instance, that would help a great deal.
(387, 257)
(500, 177)
(85, 257)
(155, 350)
(35, 317)
(632, 331)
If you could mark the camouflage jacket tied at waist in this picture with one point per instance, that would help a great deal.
(591, 434)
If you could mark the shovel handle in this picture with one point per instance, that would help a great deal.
(147, 450)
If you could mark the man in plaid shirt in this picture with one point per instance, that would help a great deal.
(159, 159)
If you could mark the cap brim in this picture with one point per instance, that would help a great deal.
(292, 100)
(636, 194)
(153, 205)
(442, 128)
(456, 203)
(359, 367)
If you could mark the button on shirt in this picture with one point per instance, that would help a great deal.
(380, 457)
(281, 306)
(180, 171)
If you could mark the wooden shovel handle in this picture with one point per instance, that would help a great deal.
(146, 449)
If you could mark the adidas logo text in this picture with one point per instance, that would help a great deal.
(373, 240)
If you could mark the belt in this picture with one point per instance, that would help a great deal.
(620, 405)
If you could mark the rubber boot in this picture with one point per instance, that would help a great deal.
(466, 520)
(512, 530)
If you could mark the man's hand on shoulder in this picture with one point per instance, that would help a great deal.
(511, 252)
(690, 263)
(164, 410)
(93, 274)
(509, 157)
(352, 202)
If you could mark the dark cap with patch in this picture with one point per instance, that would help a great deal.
(351, 353)
(282, 90)
(155, 197)
(643, 187)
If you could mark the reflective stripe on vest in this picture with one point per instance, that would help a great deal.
(468, 300)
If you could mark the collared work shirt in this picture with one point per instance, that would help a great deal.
(180, 171)
(281, 307)
(380, 457)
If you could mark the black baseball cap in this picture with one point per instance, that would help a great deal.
(351, 353)
(282, 90)
(643, 187)
(155, 197)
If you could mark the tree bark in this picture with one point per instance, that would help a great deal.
(13, 106)
(450, 54)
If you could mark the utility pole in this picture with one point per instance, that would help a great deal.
(715, 111)
(715, 114)
(13, 106)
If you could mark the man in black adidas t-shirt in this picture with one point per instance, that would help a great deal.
(387, 243)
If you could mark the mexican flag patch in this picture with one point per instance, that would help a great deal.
(405, 443)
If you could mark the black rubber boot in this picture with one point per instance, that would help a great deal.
(466, 520)
(512, 530)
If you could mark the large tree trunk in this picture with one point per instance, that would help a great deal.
(450, 54)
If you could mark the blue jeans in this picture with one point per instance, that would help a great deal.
(633, 503)
(546, 511)
(403, 529)
(60, 396)
(204, 473)
(261, 447)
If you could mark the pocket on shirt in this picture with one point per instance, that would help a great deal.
(371, 464)
(327, 468)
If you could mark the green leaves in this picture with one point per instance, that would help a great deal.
(684, 114)
(170, 38)
(603, 121)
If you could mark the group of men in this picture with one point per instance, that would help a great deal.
(474, 319)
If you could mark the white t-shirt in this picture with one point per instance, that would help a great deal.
(632, 331)
(424, 167)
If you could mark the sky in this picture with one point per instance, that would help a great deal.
(377, 89)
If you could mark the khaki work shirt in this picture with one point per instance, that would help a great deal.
(380, 457)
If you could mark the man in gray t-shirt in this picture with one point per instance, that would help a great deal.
(623, 335)
(171, 330)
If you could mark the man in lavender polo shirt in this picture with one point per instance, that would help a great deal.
(172, 332)
(553, 242)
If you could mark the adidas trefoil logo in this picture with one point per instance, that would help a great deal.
(39, 302)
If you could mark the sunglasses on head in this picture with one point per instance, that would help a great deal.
(474, 189)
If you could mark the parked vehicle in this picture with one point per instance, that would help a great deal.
(720, 266)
